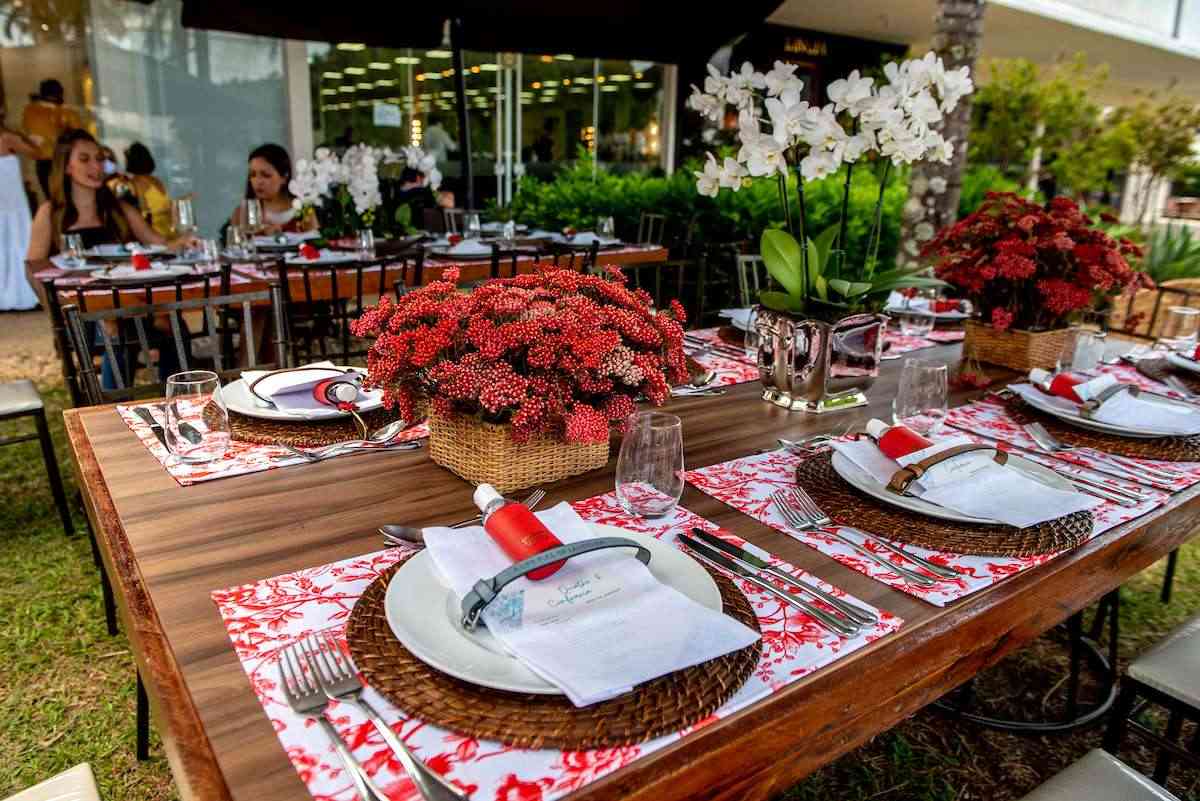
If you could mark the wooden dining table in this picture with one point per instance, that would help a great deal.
(166, 547)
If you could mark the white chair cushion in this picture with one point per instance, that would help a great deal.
(1173, 666)
(1099, 777)
(76, 784)
(19, 396)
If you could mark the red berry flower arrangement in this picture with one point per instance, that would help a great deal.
(552, 352)
(1030, 267)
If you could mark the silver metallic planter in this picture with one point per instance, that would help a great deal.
(817, 367)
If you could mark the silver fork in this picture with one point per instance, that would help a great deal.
(1176, 384)
(411, 535)
(339, 680)
(531, 500)
(799, 520)
(1049, 442)
(307, 699)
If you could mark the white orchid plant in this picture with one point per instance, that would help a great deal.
(345, 192)
(896, 121)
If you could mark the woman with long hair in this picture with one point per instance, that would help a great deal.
(269, 170)
(15, 292)
(81, 203)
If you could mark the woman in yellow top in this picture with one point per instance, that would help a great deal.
(152, 198)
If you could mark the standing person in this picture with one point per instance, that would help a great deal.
(151, 195)
(437, 142)
(15, 292)
(46, 119)
(269, 170)
(543, 148)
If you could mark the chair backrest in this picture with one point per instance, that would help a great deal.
(581, 258)
(650, 228)
(503, 258)
(124, 335)
(453, 220)
(748, 268)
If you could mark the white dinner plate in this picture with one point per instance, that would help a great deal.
(1183, 362)
(425, 616)
(949, 315)
(863, 481)
(118, 251)
(67, 265)
(326, 257)
(238, 399)
(449, 254)
(126, 274)
(1044, 405)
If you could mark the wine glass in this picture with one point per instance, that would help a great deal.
(208, 255)
(72, 248)
(253, 214)
(914, 322)
(1180, 329)
(237, 243)
(921, 401)
(607, 227)
(197, 428)
(650, 465)
(183, 216)
(472, 227)
(366, 244)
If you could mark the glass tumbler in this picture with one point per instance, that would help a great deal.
(1180, 328)
(72, 247)
(607, 227)
(253, 214)
(913, 322)
(1083, 350)
(922, 399)
(208, 255)
(472, 227)
(183, 216)
(197, 428)
(366, 244)
(650, 465)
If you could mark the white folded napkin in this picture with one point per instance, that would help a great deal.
(292, 391)
(286, 238)
(469, 247)
(588, 237)
(972, 484)
(322, 255)
(64, 262)
(599, 626)
(1125, 410)
(739, 317)
(129, 271)
(898, 301)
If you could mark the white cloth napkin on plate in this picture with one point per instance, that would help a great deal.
(588, 237)
(972, 484)
(469, 247)
(599, 626)
(1125, 410)
(739, 317)
(288, 238)
(292, 391)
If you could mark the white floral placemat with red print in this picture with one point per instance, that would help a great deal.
(900, 344)
(264, 617)
(730, 369)
(942, 336)
(240, 459)
(746, 484)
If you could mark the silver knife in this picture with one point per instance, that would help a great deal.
(855, 613)
(843, 629)
(148, 418)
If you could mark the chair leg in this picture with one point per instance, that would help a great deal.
(1169, 576)
(143, 721)
(1075, 633)
(1163, 765)
(56, 487)
(1119, 717)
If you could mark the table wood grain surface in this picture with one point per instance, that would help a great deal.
(166, 547)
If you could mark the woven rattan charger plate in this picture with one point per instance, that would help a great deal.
(1167, 449)
(1158, 369)
(302, 433)
(666, 704)
(849, 507)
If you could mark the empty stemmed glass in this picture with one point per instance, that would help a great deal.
(1180, 329)
(921, 402)
(73, 249)
(208, 255)
(472, 227)
(606, 228)
(238, 243)
(650, 465)
(366, 244)
(183, 216)
(197, 428)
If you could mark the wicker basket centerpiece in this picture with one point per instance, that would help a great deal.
(523, 377)
(1029, 270)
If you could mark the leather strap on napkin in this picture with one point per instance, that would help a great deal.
(1092, 406)
(252, 386)
(905, 476)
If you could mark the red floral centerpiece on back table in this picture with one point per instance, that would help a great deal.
(1030, 270)
(523, 376)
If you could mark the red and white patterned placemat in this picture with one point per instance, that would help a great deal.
(241, 458)
(899, 344)
(264, 617)
(746, 484)
(730, 369)
(942, 336)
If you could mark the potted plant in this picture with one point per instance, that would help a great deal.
(523, 376)
(345, 193)
(1029, 269)
(821, 331)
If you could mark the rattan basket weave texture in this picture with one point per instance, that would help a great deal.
(485, 453)
(1017, 350)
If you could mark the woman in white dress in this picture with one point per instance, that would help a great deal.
(15, 292)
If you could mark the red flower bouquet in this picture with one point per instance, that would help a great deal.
(552, 353)
(1031, 267)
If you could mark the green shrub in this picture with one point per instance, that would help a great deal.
(978, 181)
(1172, 252)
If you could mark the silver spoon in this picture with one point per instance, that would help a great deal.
(703, 379)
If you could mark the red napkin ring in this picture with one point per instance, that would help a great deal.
(454, 239)
(140, 262)
(945, 305)
(309, 252)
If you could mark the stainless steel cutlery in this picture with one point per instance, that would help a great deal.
(1154, 476)
(397, 534)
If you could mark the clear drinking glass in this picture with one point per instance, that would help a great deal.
(606, 227)
(366, 244)
(1083, 350)
(913, 322)
(472, 227)
(1180, 328)
(238, 242)
(183, 216)
(72, 248)
(208, 255)
(510, 230)
(650, 465)
(922, 399)
(252, 214)
(197, 426)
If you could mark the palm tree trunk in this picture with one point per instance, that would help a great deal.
(934, 189)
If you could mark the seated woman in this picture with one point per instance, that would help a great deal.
(269, 171)
(152, 198)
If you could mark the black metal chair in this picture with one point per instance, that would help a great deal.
(80, 324)
(580, 258)
(20, 399)
(510, 256)
(651, 228)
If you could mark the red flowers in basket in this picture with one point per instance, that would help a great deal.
(551, 352)
(1029, 267)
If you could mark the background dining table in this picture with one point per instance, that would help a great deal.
(166, 547)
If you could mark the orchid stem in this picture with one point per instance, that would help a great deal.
(803, 231)
(877, 229)
(787, 207)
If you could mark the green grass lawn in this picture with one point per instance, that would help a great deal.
(67, 688)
